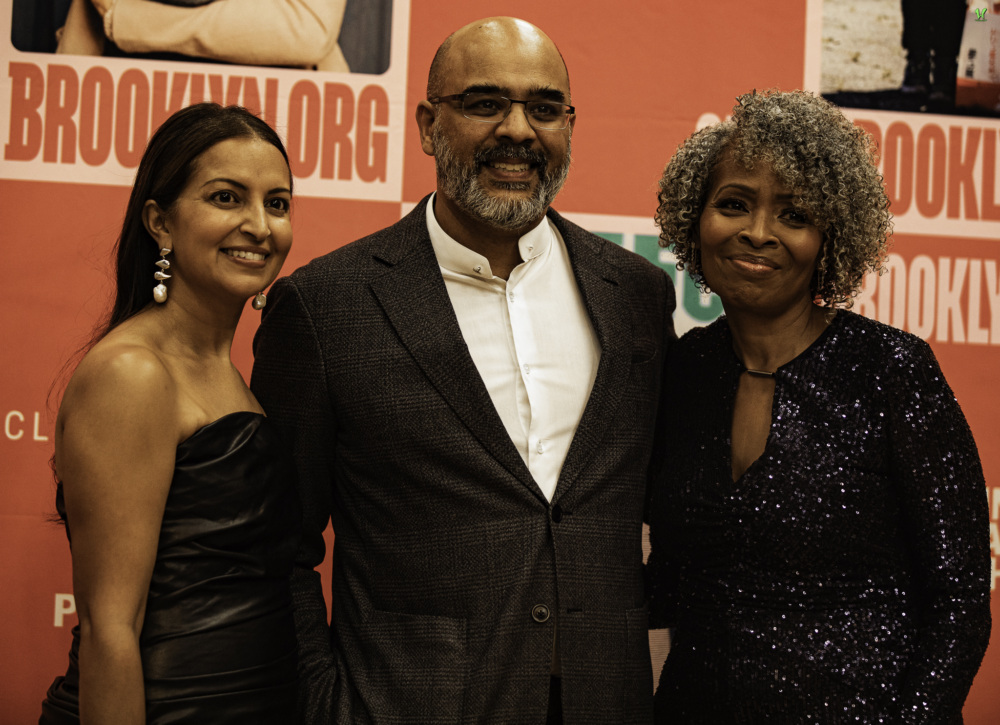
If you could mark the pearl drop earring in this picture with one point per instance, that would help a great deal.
(160, 290)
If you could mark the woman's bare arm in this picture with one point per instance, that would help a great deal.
(115, 449)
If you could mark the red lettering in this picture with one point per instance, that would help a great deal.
(251, 96)
(215, 89)
(303, 128)
(97, 111)
(338, 119)
(161, 107)
(26, 95)
(991, 209)
(132, 117)
(233, 90)
(197, 89)
(372, 148)
(960, 181)
(932, 151)
(920, 300)
(271, 101)
(949, 307)
(898, 166)
(251, 99)
(61, 96)
(231, 93)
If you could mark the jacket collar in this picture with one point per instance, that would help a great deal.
(413, 296)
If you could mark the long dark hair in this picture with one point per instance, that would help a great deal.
(165, 168)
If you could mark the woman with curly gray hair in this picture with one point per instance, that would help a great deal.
(820, 531)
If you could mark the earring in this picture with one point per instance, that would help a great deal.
(259, 301)
(160, 290)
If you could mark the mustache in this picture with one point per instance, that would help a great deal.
(509, 151)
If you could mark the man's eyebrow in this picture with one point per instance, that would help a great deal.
(485, 88)
(540, 92)
(548, 93)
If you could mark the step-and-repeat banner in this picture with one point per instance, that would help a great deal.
(340, 80)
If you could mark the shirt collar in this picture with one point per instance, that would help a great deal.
(456, 257)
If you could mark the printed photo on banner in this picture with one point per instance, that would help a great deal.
(923, 78)
(90, 80)
(925, 56)
(329, 35)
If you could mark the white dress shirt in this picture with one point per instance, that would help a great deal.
(531, 339)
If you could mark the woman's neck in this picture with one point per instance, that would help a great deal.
(765, 343)
(199, 332)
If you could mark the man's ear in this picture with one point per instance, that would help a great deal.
(426, 116)
(155, 221)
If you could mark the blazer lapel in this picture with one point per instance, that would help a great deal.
(611, 316)
(413, 296)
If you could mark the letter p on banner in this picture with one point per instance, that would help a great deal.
(65, 604)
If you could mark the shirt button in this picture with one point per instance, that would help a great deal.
(540, 613)
(540, 447)
(511, 296)
(478, 268)
(527, 370)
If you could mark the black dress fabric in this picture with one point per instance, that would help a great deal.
(845, 576)
(218, 640)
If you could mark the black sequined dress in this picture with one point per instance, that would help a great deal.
(845, 576)
(218, 641)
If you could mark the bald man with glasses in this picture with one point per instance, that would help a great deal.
(471, 395)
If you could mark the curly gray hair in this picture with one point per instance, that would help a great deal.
(828, 162)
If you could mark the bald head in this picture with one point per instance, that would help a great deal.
(475, 40)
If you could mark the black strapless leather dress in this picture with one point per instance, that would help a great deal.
(218, 640)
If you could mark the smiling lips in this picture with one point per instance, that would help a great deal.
(241, 254)
(753, 263)
(510, 167)
(511, 159)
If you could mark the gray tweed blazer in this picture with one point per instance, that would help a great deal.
(450, 568)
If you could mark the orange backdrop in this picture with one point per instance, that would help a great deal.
(644, 75)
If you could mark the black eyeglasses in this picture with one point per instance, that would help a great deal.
(493, 108)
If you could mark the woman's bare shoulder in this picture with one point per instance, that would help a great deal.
(121, 371)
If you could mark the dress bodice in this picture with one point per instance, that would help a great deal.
(218, 641)
(848, 566)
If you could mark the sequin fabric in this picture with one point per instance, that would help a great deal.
(844, 577)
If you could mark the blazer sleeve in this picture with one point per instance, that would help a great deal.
(289, 380)
(943, 500)
(658, 575)
(255, 32)
(669, 336)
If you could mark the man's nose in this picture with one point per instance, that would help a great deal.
(515, 125)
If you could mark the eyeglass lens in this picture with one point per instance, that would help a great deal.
(491, 108)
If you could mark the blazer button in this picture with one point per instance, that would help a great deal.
(557, 513)
(540, 613)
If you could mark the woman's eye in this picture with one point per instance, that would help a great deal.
(796, 216)
(279, 204)
(224, 197)
(731, 205)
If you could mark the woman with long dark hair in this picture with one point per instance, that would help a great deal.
(176, 495)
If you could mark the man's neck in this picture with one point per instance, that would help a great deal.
(499, 246)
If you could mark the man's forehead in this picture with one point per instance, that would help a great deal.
(513, 69)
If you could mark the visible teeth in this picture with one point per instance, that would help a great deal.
(256, 256)
(510, 167)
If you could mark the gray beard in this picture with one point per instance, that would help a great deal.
(460, 183)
